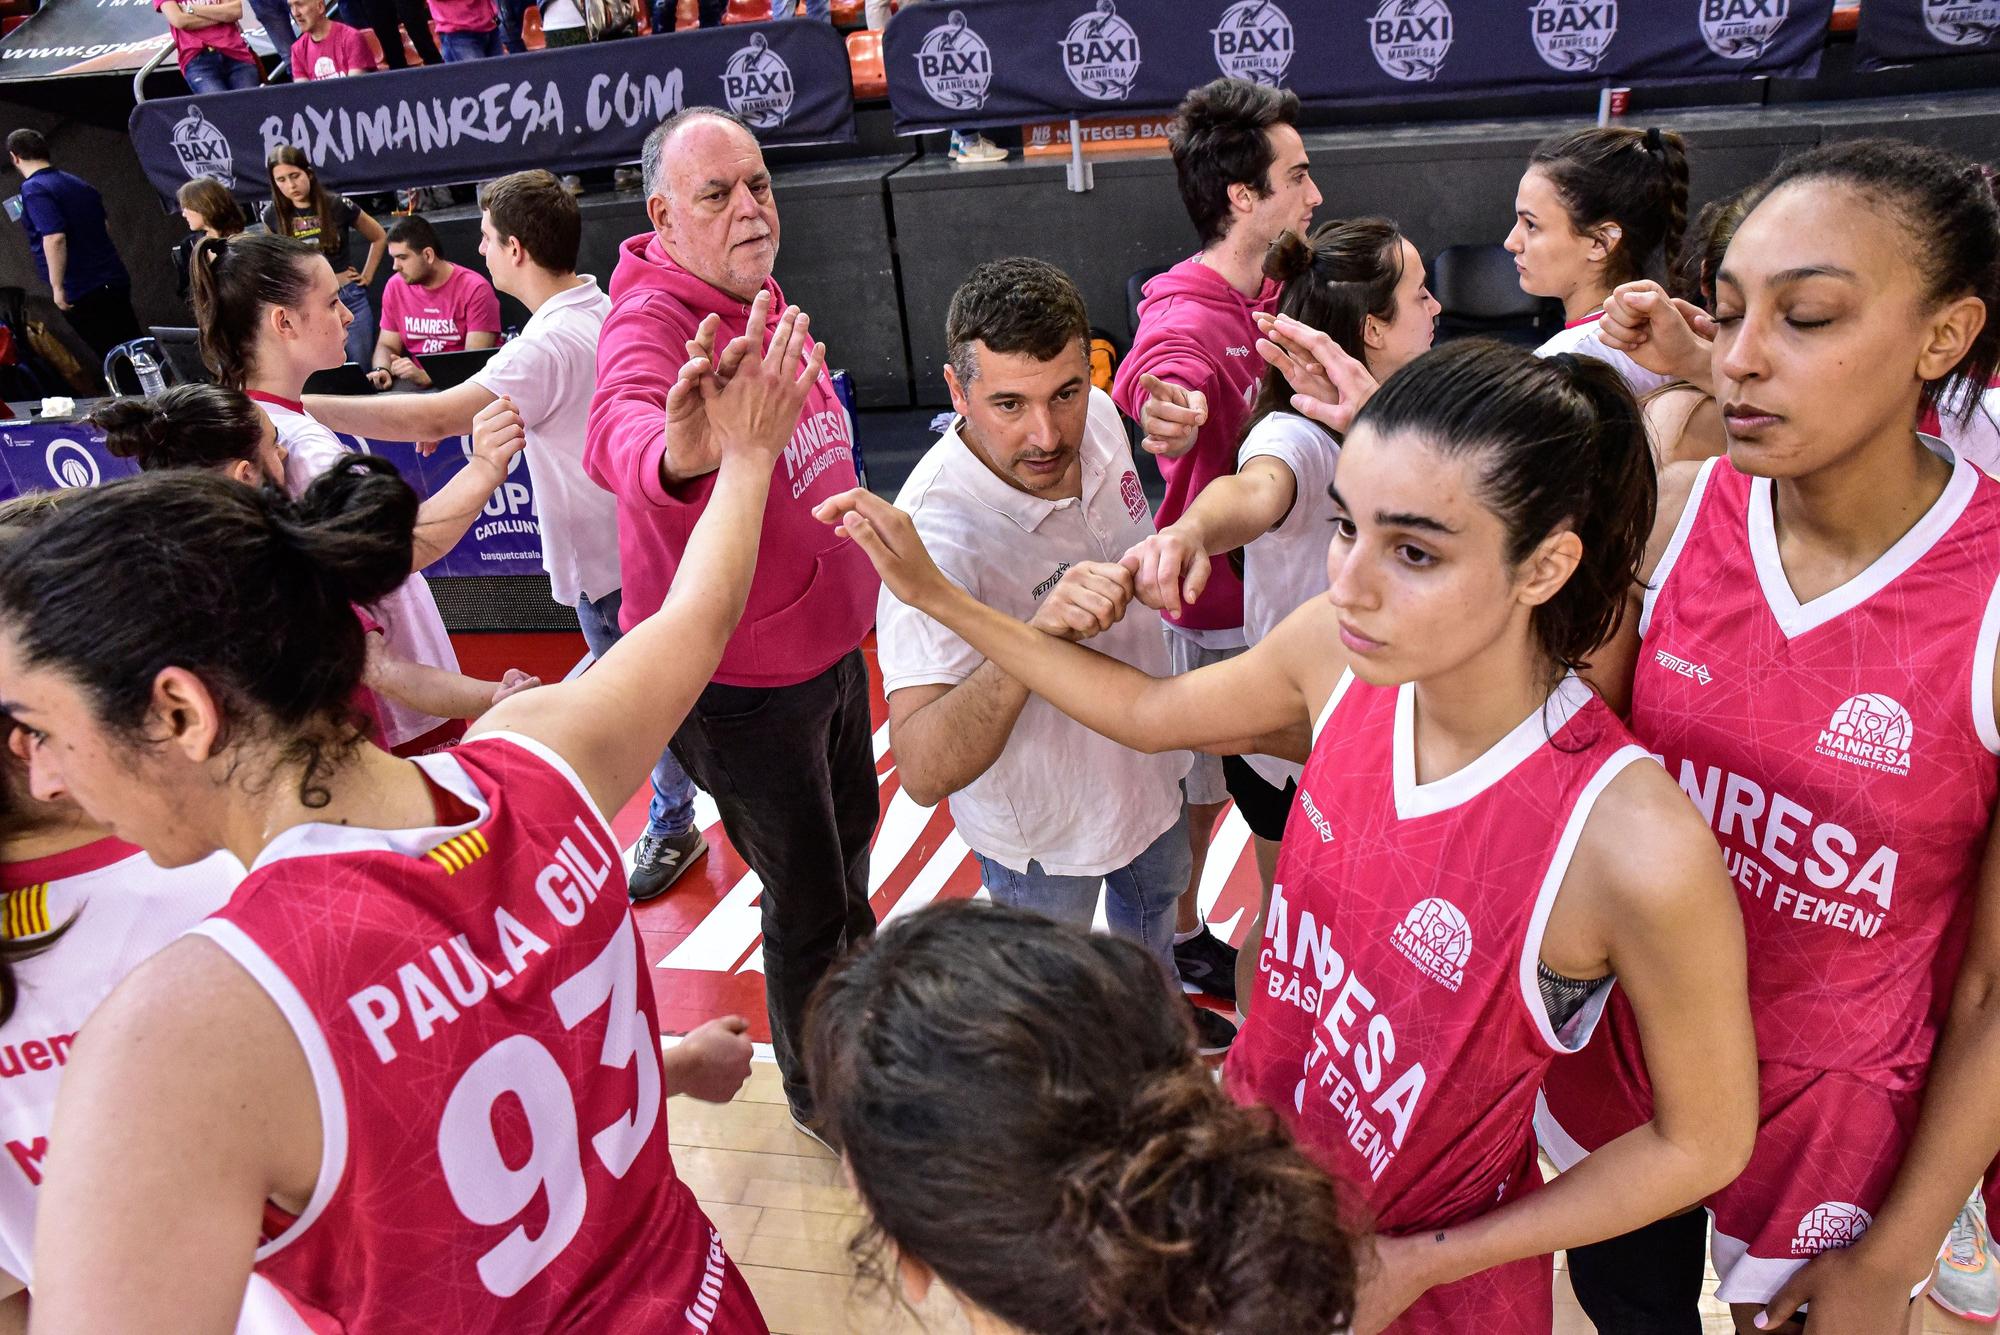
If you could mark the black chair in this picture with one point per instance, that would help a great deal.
(1135, 291)
(1479, 291)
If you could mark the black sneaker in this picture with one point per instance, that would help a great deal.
(661, 861)
(1213, 1033)
(1207, 963)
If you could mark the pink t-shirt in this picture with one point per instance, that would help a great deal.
(345, 51)
(438, 319)
(464, 15)
(224, 37)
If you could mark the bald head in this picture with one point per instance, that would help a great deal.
(709, 197)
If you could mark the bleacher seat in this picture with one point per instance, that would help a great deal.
(747, 11)
(1479, 291)
(864, 63)
(848, 14)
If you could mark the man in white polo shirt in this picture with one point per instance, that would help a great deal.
(539, 384)
(1027, 502)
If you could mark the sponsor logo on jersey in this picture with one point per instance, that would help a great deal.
(36, 1054)
(1054, 579)
(26, 911)
(1318, 819)
(70, 465)
(1436, 938)
(1254, 41)
(1959, 23)
(1133, 495)
(202, 149)
(28, 1156)
(955, 64)
(1674, 663)
(1410, 38)
(701, 1312)
(758, 84)
(1573, 35)
(1100, 54)
(1828, 1225)
(1236, 352)
(1742, 29)
(1871, 731)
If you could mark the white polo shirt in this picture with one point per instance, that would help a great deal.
(550, 370)
(1060, 794)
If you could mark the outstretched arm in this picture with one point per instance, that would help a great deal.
(1171, 566)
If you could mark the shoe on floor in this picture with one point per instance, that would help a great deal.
(1207, 964)
(661, 860)
(1968, 1284)
(1213, 1033)
(975, 148)
(809, 1128)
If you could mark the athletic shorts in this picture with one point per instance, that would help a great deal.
(1204, 785)
(1517, 1298)
(1264, 805)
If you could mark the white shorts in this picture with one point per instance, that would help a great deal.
(1204, 784)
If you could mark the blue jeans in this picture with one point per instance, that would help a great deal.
(212, 72)
(671, 813)
(1142, 893)
(458, 46)
(275, 18)
(512, 14)
(815, 9)
(360, 334)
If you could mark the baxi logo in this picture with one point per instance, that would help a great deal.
(758, 84)
(1963, 22)
(1410, 38)
(1871, 731)
(1254, 41)
(955, 65)
(1828, 1225)
(1573, 35)
(1100, 53)
(70, 465)
(1742, 29)
(1436, 938)
(202, 149)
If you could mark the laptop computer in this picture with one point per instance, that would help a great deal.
(182, 349)
(346, 378)
(450, 369)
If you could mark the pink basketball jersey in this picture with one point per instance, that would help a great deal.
(476, 1012)
(1399, 1028)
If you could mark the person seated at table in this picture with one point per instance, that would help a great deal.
(326, 49)
(429, 305)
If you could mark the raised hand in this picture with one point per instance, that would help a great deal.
(498, 434)
(1171, 417)
(890, 539)
(1665, 335)
(1168, 569)
(1328, 386)
(1089, 599)
(758, 410)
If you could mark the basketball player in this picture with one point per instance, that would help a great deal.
(1476, 847)
(1815, 662)
(1597, 208)
(412, 1071)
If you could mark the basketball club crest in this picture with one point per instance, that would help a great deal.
(955, 64)
(1100, 54)
(1254, 41)
(1573, 35)
(1410, 38)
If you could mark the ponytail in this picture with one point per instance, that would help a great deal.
(186, 426)
(1671, 150)
(1635, 179)
(234, 280)
(1333, 279)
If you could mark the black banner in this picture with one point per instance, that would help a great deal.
(568, 109)
(1896, 32)
(94, 37)
(963, 63)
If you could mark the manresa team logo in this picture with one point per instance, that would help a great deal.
(1133, 495)
(1742, 29)
(1254, 41)
(1871, 731)
(202, 149)
(758, 84)
(1959, 23)
(1100, 53)
(70, 465)
(1436, 938)
(1410, 38)
(1828, 1225)
(955, 65)
(1573, 35)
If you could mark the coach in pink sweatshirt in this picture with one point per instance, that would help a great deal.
(781, 738)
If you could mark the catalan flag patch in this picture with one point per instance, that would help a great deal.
(26, 912)
(459, 852)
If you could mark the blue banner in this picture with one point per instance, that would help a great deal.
(1897, 32)
(964, 63)
(506, 539)
(566, 109)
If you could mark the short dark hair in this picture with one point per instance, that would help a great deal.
(1013, 305)
(28, 145)
(533, 208)
(1218, 140)
(417, 233)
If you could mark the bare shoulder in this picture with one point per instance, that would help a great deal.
(191, 1002)
(1305, 647)
(1646, 852)
(1676, 485)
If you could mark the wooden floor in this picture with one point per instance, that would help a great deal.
(786, 1217)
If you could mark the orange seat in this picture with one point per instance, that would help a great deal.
(747, 11)
(864, 63)
(848, 13)
(531, 29)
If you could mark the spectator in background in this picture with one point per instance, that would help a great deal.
(878, 12)
(64, 219)
(814, 9)
(563, 24)
(303, 208)
(208, 40)
(388, 19)
(430, 305)
(466, 29)
(210, 210)
(326, 49)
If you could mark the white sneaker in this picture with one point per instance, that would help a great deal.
(1967, 1283)
(977, 148)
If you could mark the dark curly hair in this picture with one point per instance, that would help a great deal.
(1218, 140)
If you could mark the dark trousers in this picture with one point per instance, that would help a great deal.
(1647, 1282)
(384, 16)
(792, 771)
(512, 14)
(103, 318)
(708, 12)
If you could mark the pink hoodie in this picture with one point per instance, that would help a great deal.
(813, 597)
(1196, 331)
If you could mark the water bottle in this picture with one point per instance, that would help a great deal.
(147, 367)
